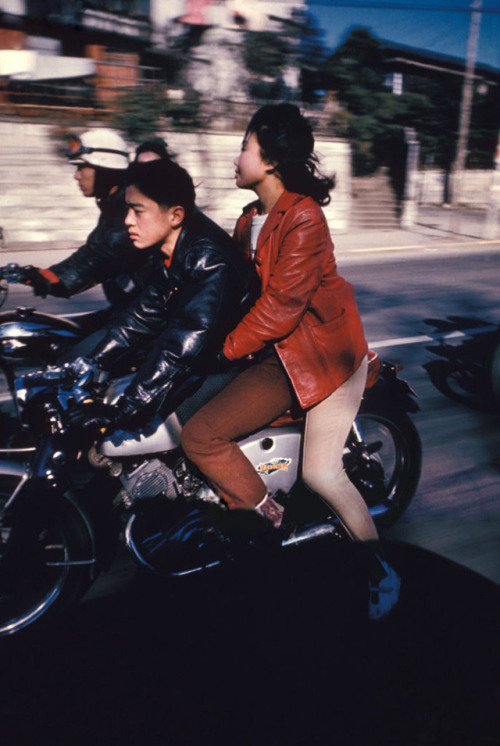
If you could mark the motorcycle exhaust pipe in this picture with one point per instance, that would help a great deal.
(329, 527)
(311, 532)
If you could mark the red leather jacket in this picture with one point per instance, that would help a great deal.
(306, 310)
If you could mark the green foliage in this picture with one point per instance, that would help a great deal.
(184, 113)
(142, 112)
(265, 53)
(375, 118)
(355, 71)
(139, 115)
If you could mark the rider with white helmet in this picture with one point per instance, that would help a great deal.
(101, 157)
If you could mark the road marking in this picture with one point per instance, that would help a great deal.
(5, 396)
(431, 338)
(453, 245)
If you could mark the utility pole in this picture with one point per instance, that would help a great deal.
(466, 104)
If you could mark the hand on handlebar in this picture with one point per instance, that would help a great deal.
(34, 277)
(91, 415)
(81, 377)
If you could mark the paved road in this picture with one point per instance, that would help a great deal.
(403, 303)
(274, 654)
(280, 653)
(456, 512)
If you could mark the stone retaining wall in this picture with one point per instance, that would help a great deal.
(41, 202)
(475, 188)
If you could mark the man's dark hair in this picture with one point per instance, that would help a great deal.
(163, 181)
(155, 145)
(105, 179)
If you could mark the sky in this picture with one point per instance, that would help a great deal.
(432, 25)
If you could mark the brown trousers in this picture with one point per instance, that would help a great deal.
(252, 400)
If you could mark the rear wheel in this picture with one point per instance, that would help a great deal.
(46, 569)
(383, 458)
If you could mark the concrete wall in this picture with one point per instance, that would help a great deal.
(475, 190)
(41, 202)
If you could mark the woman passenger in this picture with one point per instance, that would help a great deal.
(305, 335)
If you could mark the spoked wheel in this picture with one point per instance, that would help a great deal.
(383, 459)
(47, 568)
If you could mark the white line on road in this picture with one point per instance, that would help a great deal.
(430, 246)
(430, 338)
(396, 342)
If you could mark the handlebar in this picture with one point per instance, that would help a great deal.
(54, 391)
(50, 375)
(13, 273)
(75, 380)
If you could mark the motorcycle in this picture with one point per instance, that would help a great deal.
(30, 339)
(466, 366)
(67, 498)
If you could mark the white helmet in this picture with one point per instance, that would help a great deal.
(103, 148)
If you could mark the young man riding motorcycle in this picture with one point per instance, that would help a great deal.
(199, 287)
(101, 158)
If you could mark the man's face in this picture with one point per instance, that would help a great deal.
(149, 223)
(85, 176)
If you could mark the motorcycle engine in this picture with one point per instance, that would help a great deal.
(149, 479)
(154, 478)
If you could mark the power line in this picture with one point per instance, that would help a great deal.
(398, 6)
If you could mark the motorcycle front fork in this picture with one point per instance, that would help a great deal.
(357, 438)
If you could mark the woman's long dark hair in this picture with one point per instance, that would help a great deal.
(286, 139)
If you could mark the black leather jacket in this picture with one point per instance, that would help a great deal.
(181, 319)
(108, 257)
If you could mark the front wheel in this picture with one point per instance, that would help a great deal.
(47, 569)
(383, 458)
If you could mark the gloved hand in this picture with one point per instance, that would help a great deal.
(83, 372)
(43, 281)
(91, 415)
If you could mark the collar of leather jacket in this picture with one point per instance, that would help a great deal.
(287, 200)
(202, 231)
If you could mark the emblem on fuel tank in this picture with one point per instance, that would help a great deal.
(276, 464)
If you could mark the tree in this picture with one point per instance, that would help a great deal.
(373, 118)
(143, 112)
(265, 55)
(355, 72)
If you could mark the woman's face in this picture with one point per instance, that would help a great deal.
(148, 222)
(251, 168)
